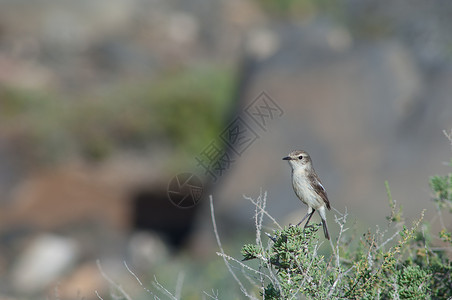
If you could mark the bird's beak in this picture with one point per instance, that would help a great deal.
(287, 158)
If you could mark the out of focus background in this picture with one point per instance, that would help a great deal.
(118, 118)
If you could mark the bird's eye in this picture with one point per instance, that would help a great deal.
(300, 157)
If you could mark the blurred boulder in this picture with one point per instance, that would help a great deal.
(43, 262)
(146, 249)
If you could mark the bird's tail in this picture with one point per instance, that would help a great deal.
(325, 229)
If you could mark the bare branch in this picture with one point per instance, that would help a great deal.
(217, 236)
(112, 283)
(179, 284)
(228, 257)
(341, 222)
(213, 296)
(138, 280)
(162, 288)
(388, 240)
(98, 296)
(263, 211)
(448, 136)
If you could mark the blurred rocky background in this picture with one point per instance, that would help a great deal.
(103, 102)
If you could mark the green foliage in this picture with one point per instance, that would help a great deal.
(250, 251)
(401, 266)
(442, 189)
(445, 236)
(396, 214)
(412, 282)
(183, 111)
(298, 8)
(293, 256)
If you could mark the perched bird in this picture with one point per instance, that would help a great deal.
(308, 187)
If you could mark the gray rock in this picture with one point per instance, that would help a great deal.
(146, 250)
(46, 259)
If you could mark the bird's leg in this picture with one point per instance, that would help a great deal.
(306, 224)
(308, 214)
(303, 218)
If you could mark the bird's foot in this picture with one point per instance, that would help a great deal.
(271, 237)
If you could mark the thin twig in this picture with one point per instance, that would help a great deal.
(258, 218)
(265, 212)
(217, 236)
(98, 296)
(388, 240)
(440, 215)
(137, 279)
(261, 204)
(425, 246)
(112, 283)
(179, 284)
(339, 277)
(161, 287)
(341, 222)
(227, 258)
(213, 296)
(448, 136)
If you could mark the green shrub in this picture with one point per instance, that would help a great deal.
(399, 263)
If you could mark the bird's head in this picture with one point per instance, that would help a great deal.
(299, 160)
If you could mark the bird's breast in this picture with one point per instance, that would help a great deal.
(304, 190)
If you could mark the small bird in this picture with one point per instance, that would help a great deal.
(308, 187)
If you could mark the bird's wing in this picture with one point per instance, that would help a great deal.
(319, 189)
